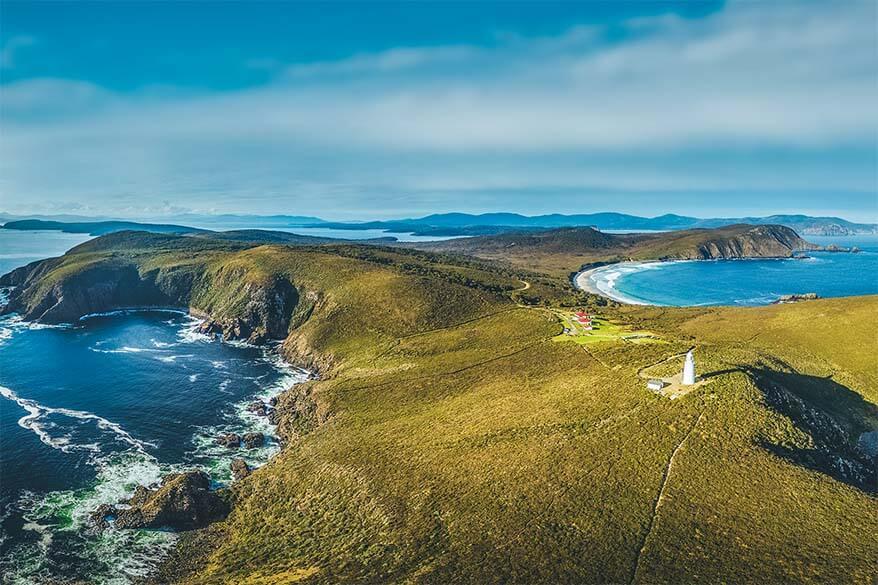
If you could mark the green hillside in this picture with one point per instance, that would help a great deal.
(562, 251)
(452, 438)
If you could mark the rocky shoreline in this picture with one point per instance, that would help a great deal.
(184, 502)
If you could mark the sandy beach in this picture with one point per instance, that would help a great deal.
(583, 281)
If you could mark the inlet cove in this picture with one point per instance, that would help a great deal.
(95, 412)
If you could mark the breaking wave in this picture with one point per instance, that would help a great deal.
(36, 421)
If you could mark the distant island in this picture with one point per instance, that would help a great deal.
(450, 224)
(97, 228)
(463, 224)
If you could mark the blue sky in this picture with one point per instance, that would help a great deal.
(371, 110)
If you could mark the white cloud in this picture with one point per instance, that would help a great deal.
(581, 109)
(392, 60)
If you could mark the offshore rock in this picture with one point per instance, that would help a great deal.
(795, 298)
(258, 408)
(141, 493)
(230, 440)
(254, 440)
(182, 502)
(99, 517)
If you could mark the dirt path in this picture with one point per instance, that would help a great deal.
(661, 498)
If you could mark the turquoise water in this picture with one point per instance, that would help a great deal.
(745, 282)
(89, 411)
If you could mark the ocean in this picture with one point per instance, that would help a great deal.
(90, 411)
(745, 282)
(18, 248)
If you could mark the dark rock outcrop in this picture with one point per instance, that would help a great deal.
(258, 408)
(229, 440)
(141, 493)
(182, 502)
(253, 440)
(240, 469)
(795, 298)
(99, 518)
(297, 412)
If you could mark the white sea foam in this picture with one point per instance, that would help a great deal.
(131, 311)
(15, 322)
(126, 349)
(239, 343)
(35, 421)
(189, 332)
(170, 359)
(193, 377)
(605, 279)
(241, 420)
(126, 554)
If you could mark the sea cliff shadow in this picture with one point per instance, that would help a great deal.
(833, 416)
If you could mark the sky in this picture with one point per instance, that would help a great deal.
(368, 110)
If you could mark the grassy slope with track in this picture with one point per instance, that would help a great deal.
(453, 441)
(487, 453)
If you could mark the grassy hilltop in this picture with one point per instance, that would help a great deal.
(453, 438)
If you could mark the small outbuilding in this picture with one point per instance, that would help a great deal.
(655, 385)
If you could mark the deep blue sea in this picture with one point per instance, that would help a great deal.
(745, 282)
(89, 411)
(18, 248)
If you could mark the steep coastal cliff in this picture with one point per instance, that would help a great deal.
(238, 303)
(734, 242)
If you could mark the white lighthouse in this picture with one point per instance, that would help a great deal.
(689, 370)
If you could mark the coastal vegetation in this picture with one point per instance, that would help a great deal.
(562, 251)
(451, 438)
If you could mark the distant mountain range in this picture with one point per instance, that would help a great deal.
(459, 224)
(450, 224)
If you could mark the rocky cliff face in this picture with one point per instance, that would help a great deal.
(267, 308)
(61, 291)
(91, 289)
(766, 241)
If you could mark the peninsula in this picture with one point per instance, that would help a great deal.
(455, 435)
